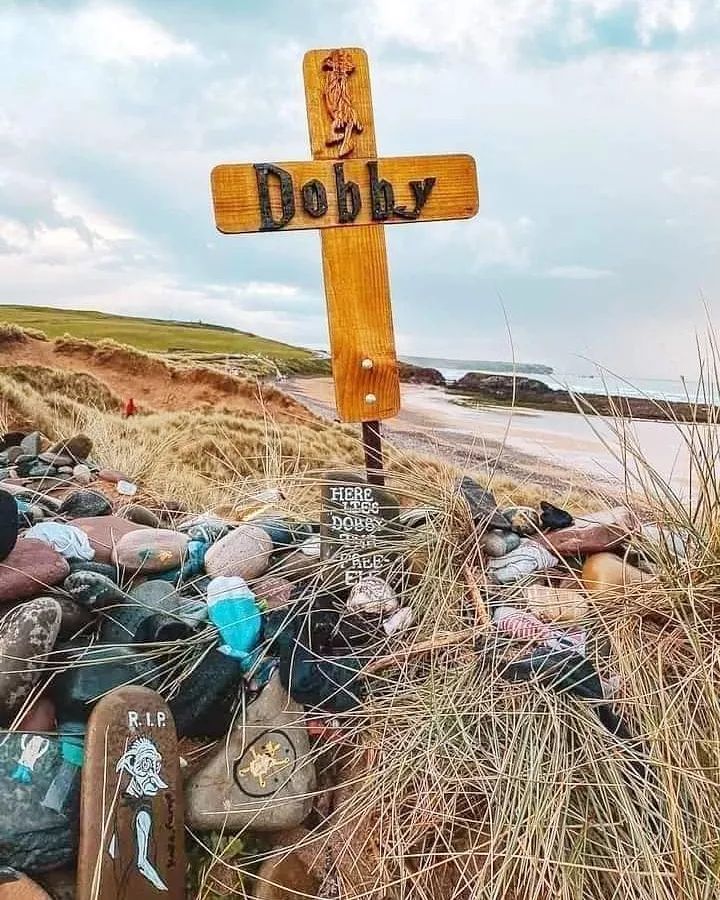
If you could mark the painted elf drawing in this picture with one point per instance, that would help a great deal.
(142, 763)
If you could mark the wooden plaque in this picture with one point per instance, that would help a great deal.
(356, 526)
(132, 844)
(288, 196)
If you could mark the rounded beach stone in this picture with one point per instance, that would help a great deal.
(593, 532)
(273, 592)
(141, 515)
(604, 572)
(82, 474)
(13, 454)
(104, 532)
(29, 568)
(272, 775)
(205, 703)
(8, 524)
(244, 552)
(524, 520)
(553, 604)
(372, 595)
(526, 559)
(81, 504)
(40, 716)
(496, 543)
(26, 635)
(123, 620)
(150, 550)
(79, 446)
(32, 444)
(552, 517)
(92, 590)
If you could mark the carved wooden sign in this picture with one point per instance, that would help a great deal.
(325, 194)
(349, 194)
(132, 826)
(356, 528)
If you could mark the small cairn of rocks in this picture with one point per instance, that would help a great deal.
(94, 585)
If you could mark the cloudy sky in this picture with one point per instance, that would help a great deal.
(595, 125)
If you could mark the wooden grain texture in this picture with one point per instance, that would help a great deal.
(355, 269)
(454, 194)
(132, 827)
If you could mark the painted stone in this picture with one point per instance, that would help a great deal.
(526, 559)
(104, 532)
(273, 592)
(27, 635)
(372, 595)
(603, 572)
(41, 797)
(244, 552)
(553, 604)
(496, 543)
(93, 591)
(150, 550)
(358, 524)
(593, 533)
(272, 773)
(139, 853)
(82, 504)
(525, 520)
(29, 569)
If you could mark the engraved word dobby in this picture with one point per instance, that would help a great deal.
(328, 193)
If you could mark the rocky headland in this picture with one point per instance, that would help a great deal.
(480, 388)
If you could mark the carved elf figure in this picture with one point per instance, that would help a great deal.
(142, 762)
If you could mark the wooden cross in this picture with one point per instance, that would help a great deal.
(349, 194)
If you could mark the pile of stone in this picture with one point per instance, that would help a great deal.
(97, 592)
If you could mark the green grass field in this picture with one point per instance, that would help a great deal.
(154, 335)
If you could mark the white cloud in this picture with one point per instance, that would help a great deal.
(109, 32)
(577, 273)
(489, 30)
(664, 15)
(680, 181)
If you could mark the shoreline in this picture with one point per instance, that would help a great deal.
(556, 449)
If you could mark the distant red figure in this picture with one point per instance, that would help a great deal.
(130, 408)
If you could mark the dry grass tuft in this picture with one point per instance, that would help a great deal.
(14, 334)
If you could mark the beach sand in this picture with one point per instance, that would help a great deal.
(562, 450)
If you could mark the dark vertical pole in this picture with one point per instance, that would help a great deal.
(372, 445)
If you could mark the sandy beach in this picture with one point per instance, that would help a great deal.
(564, 449)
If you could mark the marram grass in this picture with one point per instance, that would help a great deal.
(450, 782)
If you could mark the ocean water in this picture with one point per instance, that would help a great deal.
(655, 388)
